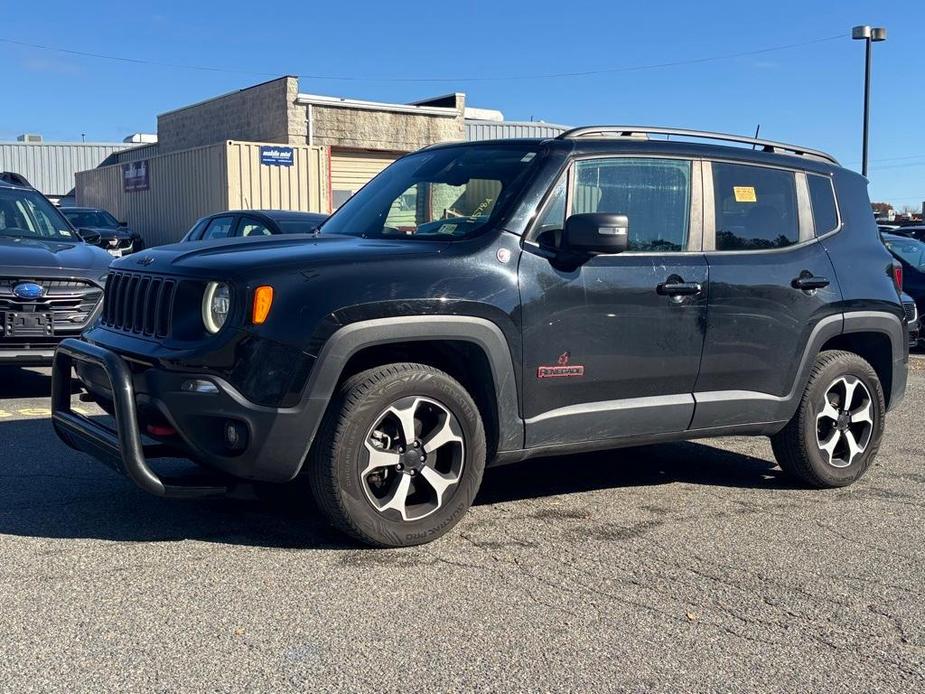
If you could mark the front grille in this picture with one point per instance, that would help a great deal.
(67, 304)
(911, 311)
(140, 304)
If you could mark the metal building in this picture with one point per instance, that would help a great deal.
(501, 130)
(161, 196)
(50, 166)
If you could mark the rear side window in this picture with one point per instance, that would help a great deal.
(825, 213)
(756, 208)
(654, 194)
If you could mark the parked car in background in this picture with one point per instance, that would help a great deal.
(887, 227)
(114, 236)
(242, 223)
(910, 252)
(916, 232)
(540, 297)
(912, 315)
(51, 280)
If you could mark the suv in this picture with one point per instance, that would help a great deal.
(484, 303)
(114, 236)
(51, 281)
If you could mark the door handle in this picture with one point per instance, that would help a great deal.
(808, 282)
(677, 288)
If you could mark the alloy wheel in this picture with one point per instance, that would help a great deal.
(413, 458)
(845, 422)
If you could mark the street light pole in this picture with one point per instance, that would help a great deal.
(868, 35)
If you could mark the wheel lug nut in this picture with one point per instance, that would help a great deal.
(399, 466)
(401, 449)
(422, 458)
(416, 444)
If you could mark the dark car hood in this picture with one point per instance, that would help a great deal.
(241, 257)
(110, 233)
(18, 256)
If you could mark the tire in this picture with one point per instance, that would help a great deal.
(815, 446)
(383, 497)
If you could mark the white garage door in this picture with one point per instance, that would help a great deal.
(350, 171)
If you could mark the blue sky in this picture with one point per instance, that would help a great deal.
(808, 94)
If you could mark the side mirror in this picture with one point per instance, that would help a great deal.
(122, 225)
(90, 236)
(596, 232)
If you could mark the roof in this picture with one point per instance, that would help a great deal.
(680, 148)
(289, 214)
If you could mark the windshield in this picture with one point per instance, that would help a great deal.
(910, 250)
(27, 214)
(91, 218)
(447, 194)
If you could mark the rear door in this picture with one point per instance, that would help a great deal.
(608, 350)
(771, 284)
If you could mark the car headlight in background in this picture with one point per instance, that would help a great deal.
(216, 302)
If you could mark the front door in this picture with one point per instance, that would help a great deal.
(612, 347)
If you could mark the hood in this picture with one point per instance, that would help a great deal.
(110, 232)
(242, 257)
(18, 256)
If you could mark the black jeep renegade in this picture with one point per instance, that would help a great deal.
(478, 304)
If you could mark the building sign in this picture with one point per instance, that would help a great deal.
(276, 156)
(135, 176)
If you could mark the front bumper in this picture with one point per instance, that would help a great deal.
(277, 439)
(16, 355)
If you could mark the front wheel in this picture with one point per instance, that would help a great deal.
(835, 434)
(400, 455)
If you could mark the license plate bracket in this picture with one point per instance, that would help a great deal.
(19, 324)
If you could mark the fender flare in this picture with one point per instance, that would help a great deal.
(350, 339)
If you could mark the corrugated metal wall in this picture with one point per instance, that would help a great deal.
(501, 130)
(351, 170)
(183, 186)
(136, 152)
(302, 186)
(50, 166)
(187, 185)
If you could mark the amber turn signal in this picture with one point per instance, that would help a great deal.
(263, 300)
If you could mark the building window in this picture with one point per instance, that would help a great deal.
(756, 208)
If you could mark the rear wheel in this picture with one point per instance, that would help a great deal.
(836, 432)
(400, 455)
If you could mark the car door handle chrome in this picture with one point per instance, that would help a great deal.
(672, 288)
(808, 282)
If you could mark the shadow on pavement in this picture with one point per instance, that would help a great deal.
(48, 490)
(20, 382)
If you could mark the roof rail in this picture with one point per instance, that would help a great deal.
(637, 131)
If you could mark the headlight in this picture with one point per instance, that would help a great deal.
(216, 301)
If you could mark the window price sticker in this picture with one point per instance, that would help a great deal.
(745, 193)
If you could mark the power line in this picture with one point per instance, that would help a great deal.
(353, 78)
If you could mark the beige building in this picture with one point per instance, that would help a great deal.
(202, 159)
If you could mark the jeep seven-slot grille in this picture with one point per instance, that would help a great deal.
(140, 304)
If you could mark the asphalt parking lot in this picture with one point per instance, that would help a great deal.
(678, 567)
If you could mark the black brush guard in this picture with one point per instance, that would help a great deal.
(123, 449)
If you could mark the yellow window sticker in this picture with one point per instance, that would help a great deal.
(745, 193)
